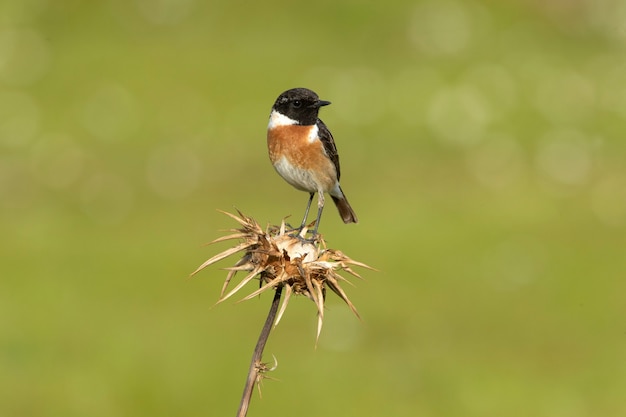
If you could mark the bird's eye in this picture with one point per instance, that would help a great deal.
(296, 104)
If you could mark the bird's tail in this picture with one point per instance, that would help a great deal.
(345, 211)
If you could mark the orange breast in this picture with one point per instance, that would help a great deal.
(292, 142)
(309, 168)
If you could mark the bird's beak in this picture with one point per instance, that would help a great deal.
(321, 103)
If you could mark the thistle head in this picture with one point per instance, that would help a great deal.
(279, 257)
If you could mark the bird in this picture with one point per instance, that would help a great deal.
(303, 152)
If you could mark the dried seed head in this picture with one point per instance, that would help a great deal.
(278, 257)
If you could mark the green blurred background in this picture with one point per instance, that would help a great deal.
(482, 148)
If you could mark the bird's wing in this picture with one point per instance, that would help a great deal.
(329, 145)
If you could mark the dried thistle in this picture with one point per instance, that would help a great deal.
(281, 259)
(278, 258)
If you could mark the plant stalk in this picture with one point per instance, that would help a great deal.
(255, 364)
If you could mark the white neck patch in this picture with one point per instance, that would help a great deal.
(277, 119)
(313, 134)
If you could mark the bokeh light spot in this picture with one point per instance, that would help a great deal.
(496, 83)
(458, 115)
(440, 27)
(564, 96)
(608, 17)
(564, 156)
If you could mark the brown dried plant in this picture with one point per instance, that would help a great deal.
(279, 258)
(282, 259)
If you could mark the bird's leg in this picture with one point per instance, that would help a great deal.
(306, 212)
(320, 208)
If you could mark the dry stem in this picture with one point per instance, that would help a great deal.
(255, 364)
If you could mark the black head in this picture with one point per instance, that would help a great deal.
(300, 104)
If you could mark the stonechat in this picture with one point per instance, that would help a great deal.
(303, 151)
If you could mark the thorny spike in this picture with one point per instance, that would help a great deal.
(243, 282)
(284, 304)
(243, 220)
(221, 256)
(243, 264)
(264, 288)
(238, 235)
(341, 294)
(341, 278)
(320, 308)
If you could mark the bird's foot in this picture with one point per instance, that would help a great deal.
(302, 231)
